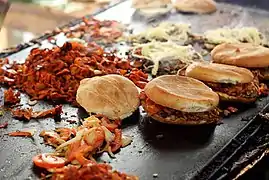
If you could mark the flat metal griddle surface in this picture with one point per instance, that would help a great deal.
(169, 152)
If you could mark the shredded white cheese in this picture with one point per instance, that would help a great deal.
(236, 35)
(157, 51)
(164, 32)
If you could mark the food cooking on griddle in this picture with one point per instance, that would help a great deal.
(230, 82)
(165, 31)
(75, 148)
(11, 97)
(195, 6)
(255, 58)
(90, 172)
(54, 74)
(176, 99)
(93, 30)
(165, 57)
(235, 35)
(151, 8)
(138, 4)
(112, 95)
(109, 88)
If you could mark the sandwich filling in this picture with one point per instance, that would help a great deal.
(262, 73)
(167, 57)
(244, 90)
(170, 114)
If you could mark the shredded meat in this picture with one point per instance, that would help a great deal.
(165, 66)
(11, 97)
(246, 90)
(90, 172)
(261, 73)
(21, 134)
(93, 30)
(24, 114)
(55, 74)
(263, 89)
(6, 75)
(172, 114)
(27, 114)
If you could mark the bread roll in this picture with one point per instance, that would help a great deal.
(219, 73)
(181, 93)
(196, 6)
(111, 95)
(241, 54)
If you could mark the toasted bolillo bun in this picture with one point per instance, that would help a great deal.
(196, 6)
(219, 73)
(181, 93)
(226, 97)
(241, 54)
(111, 95)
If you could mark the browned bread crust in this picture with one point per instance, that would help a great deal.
(243, 55)
(219, 73)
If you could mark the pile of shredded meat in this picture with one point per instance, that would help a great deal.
(55, 74)
(170, 114)
(93, 30)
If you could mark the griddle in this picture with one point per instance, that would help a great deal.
(158, 151)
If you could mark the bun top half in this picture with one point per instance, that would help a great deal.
(241, 54)
(219, 73)
(111, 95)
(181, 93)
(196, 6)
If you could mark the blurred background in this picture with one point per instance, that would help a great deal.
(27, 19)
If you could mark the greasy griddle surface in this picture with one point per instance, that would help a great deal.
(171, 152)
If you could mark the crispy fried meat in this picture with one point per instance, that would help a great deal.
(98, 31)
(6, 75)
(27, 114)
(55, 74)
(171, 115)
(90, 172)
(11, 97)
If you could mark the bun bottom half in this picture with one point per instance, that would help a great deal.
(226, 97)
(214, 118)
